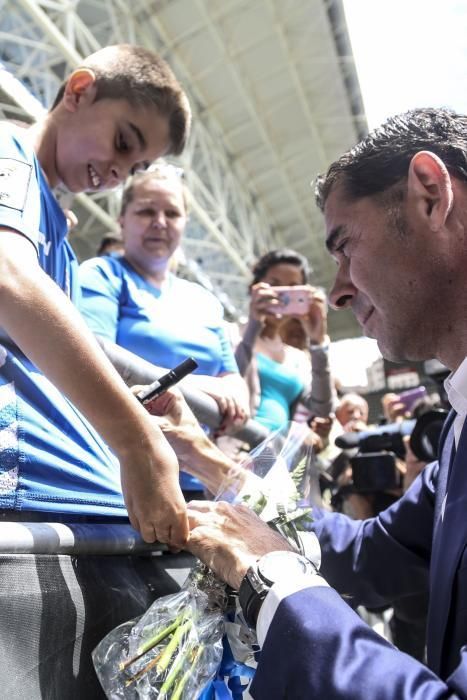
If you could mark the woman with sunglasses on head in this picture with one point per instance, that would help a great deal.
(279, 374)
(136, 301)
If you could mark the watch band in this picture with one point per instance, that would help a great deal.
(256, 583)
(251, 595)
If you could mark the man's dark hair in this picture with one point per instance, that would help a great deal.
(143, 79)
(382, 159)
(282, 256)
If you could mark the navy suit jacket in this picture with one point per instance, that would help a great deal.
(317, 646)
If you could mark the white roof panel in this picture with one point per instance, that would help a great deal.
(275, 99)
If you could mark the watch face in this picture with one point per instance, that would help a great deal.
(281, 565)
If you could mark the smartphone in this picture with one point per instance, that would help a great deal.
(410, 397)
(293, 301)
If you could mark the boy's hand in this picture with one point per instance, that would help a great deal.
(152, 494)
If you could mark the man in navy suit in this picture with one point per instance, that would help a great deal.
(395, 209)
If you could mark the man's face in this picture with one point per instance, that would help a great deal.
(384, 274)
(354, 410)
(101, 143)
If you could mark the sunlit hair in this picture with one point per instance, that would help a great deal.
(382, 159)
(281, 256)
(161, 171)
(143, 79)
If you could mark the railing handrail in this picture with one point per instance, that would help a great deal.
(135, 370)
(73, 539)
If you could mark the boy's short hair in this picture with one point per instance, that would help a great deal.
(144, 79)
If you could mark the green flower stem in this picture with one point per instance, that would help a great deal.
(174, 671)
(150, 643)
(162, 634)
(173, 644)
(177, 694)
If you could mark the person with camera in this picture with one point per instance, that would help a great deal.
(278, 374)
(396, 202)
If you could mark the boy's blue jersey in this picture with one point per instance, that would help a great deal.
(51, 459)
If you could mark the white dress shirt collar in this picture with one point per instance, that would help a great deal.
(456, 390)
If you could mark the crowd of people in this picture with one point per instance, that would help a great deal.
(77, 446)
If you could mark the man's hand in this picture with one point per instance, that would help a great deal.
(393, 408)
(322, 426)
(229, 539)
(314, 441)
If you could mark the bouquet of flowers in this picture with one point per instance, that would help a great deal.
(176, 648)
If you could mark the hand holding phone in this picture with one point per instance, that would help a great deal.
(410, 397)
(292, 301)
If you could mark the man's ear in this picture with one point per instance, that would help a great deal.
(429, 189)
(80, 87)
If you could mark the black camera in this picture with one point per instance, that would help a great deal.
(374, 465)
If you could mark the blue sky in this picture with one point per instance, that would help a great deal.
(408, 53)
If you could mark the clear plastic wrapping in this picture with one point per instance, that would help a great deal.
(172, 651)
(175, 649)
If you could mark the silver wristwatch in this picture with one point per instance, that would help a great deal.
(270, 569)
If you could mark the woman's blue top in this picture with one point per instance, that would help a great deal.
(163, 326)
(280, 388)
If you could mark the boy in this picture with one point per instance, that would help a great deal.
(119, 111)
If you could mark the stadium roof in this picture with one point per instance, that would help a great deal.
(275, 99)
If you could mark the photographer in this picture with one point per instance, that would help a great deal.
(279, 374)
(397, 202)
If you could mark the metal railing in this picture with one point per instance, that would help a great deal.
(107, 539)
(73, 539)
(135, 370)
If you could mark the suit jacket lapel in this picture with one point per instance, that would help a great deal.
(446, 458)
(450, 537)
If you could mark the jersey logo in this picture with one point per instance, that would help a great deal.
(42, 240)
(14, 183)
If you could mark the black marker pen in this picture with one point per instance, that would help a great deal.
(167, 380)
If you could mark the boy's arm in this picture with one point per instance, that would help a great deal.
(198, 455)
(49, 330)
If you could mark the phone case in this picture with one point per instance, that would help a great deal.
(293, 301)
